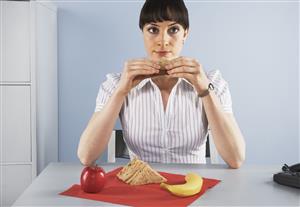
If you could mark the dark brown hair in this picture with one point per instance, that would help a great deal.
(164, 10)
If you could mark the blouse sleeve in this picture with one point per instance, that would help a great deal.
(106, 90)
(221, 90)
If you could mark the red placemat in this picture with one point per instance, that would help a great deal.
(116, 191)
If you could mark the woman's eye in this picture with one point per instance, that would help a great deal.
(173, 30)
(153, 30)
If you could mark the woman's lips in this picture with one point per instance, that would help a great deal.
(162, 53)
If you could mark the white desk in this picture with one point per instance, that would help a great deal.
(249, 185)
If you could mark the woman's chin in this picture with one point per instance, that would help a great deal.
(159, 57)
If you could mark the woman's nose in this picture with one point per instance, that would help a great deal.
(164, 43)
(163, 40)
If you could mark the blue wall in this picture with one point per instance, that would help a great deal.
(255, 45)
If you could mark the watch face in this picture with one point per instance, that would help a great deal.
(211, 86)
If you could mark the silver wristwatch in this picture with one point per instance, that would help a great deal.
(210, 87)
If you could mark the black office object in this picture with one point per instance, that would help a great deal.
(290, 176)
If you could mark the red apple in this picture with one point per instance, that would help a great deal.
(92, 179)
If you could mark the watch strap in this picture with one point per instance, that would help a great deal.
(206, 92)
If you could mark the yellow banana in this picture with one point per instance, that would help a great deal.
(192, 186)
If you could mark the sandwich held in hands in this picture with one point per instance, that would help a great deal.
(136, 70)
(162, 70)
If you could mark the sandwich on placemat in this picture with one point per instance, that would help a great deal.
(138, 172)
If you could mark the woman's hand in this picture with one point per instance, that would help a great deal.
(134, 72)
(191, 70)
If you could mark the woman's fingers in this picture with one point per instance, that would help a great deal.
(182, 61)
(142, 67)
(144, 62)
(145, 65)
(187, 76)
(183, 69)
(137, 72)
(183, 65)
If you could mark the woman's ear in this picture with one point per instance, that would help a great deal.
(186, 32)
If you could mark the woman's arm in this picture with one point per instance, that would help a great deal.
(95, 137)
(226, 133)
(227, 136)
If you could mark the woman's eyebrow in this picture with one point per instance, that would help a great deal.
(172, 24)
(159, 26)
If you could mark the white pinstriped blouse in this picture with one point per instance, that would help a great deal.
(177, 135)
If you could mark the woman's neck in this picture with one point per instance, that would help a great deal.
(165, 83)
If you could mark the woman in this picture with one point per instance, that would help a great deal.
(164, 117)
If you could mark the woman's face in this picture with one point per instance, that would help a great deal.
(164, 39)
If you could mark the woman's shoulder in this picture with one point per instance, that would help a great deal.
(110, 82)
(113, 76)
(214, 75)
